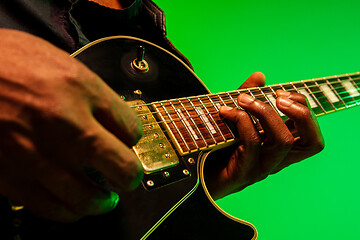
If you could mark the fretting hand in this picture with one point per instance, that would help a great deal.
(256, 157)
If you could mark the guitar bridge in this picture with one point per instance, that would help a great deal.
(153, 149)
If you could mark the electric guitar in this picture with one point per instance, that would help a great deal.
(180, 132)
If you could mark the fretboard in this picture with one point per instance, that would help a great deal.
(194, 123)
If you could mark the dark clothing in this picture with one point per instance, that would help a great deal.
(71, 24)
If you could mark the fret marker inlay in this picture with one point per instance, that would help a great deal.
(328, 93)
(187, 124)
(312, 103)
(203, 117)
(350, 88)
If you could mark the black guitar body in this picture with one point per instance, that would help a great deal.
(178, 207)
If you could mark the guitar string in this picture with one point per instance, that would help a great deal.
(255, 89)
(178, 124)
(178, 119)
(209, 113)
(237, 92)
(205, 140)
(192, 110)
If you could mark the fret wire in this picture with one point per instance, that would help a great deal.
(339, 81)
(266, 97)
(351, 81)
(303, 82)
(272, 90)
(202, 103)
(233, 92)
(354, 83)
(332, 87)
(314, 97)
(282, 115)
(222, 135)
(213, 103)
(253, 118)
(172, 119)
(294, 87)
(282, 86)
(355, 102)
(218, 95)
(324, 95)
(232, 99)
(269, 102)
(176, 128)
(215, 94)
(311, 92)
(189, 131)
(251, 93)
(196, 124)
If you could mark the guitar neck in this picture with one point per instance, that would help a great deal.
(194, 123)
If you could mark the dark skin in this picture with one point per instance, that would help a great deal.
(56, 116)
(257, 156)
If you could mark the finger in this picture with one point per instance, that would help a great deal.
(250, 142)
(116, 116)
(257, 79)
(245, 126)
(297, 97)
(114, 159)
(279, 139)
(272, 124)
(74, 190)
(304, 121)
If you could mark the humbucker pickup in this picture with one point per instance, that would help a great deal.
(153, 149)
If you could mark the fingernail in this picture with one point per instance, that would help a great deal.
(225, 108)
(282, 93)
(285, 102)
(246, 99)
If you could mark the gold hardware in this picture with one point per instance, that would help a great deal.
(138, 92)
(191, 161)
(150, 183)
(16, 208)
(186, 172)
(140, 66)
(153, 137)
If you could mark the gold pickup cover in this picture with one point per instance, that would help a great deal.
(153, 149)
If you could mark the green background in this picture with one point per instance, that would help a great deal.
(287, 40)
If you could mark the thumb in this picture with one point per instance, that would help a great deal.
(257, 79)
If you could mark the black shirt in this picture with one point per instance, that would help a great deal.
(71, 24)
